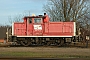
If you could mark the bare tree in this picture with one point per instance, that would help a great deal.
(69, 10)
(66, 10)
(17, 18)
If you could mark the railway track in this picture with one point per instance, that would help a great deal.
(70, 45)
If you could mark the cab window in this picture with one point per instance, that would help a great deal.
(30, 20)
(37, 20)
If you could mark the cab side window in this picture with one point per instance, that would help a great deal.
(30, 20)
(37, 20)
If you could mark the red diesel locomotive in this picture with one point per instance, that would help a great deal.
(38, 30)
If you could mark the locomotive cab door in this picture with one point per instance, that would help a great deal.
(29, 27)
(38, 27)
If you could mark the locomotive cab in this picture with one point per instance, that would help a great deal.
(35, 24)
(37, 19)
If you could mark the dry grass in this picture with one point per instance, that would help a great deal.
(45, 52)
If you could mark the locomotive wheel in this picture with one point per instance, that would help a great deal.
(25, 42)
(48, 43)
(60, 42)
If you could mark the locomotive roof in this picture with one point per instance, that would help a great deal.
(40, 16)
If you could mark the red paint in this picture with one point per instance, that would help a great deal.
(45, 28)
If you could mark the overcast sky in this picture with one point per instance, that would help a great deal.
(16, 7)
